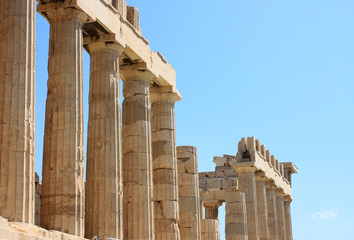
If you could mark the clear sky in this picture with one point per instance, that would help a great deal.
(281, 71)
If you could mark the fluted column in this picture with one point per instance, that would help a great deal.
(138, 213)
(262, 207)
(272, 211)
(188, 190)
(104, 190)
(281, 215)
(288, 224)
(247, 184)
(62, 206)
(209, 229)
(17, 108)
(164, 162)
(236, 216)
(212, 210)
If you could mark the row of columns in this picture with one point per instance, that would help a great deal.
(268, 209)
(131, 157)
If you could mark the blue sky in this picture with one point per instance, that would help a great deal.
(281, 71)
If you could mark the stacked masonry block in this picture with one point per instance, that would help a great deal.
(210, 229)
(188, 184)
(236, 216)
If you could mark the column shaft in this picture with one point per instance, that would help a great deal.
(262, 209)
(247, 184)
(188, 190)
(104, 190)
(209, 229)
(138, 214)
(63, 157)
(164, 163)
(236, 216)
(272, 213)
(17, 108)
(281, 217)
(288, 224)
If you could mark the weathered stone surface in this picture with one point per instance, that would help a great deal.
(281, 215)
(247, 184)
(210, 229)
(288, 225)
(272, 211)
(63, 158)
(138, 214)
(104, 189)
(262, 207)
(164, 153)
(189, 208)
(236, 216)
(17, 108)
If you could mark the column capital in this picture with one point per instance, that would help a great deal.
(271, 185)
(164, 94)
(279, 192)
(288, 199)
(56, 10)
(210, 204)
(135, 72)
(260, 176)
(103, 45)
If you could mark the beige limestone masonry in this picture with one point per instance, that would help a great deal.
(138, 214)
(17, 110)
(262, 207)
(188, 184)
(104, 198)
(62, 206)
(210, 229)
(272, 211)
(164, 162)
(281, 215)
(236, 216)
(288, 225)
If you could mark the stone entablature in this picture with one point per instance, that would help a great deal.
(122, 27)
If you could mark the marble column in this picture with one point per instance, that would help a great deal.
(138, 215)
(164, 162)
(281, 215)
(288, 224)
(272, 211)
(212, 210)
(209, 229)
(62, 206)
(236, 216)
(262, 207)
(247, 184)
(17, 108)
(104, 189)
(188, 190)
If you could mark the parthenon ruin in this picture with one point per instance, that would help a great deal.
(138, 184)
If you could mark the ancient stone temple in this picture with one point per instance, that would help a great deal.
(138, 184)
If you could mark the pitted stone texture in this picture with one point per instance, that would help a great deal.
(189, 201)
(210, 229)
(236, 216)
(262, 208)
(247, 184)
(17, 108)
(272, 212)
(138, 214)
(104, 189)
(281, 216)
(63, 158)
